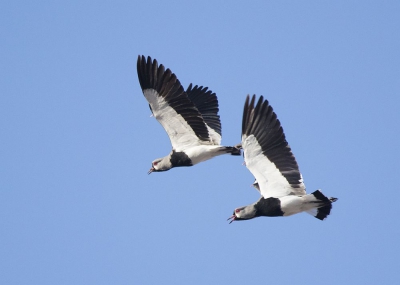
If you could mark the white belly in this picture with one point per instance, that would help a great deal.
(296, 204)
(203, 152)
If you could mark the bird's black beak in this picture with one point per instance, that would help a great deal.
(232, 218)
(151, 170)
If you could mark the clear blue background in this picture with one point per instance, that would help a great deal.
(77, 140)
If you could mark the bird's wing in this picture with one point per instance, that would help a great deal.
(266, 152)
(171, 106)
(207, 103)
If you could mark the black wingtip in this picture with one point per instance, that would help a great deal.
(167, 86)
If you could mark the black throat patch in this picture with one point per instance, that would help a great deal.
(180, 159)
(270, 207)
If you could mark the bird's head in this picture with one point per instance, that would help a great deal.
(243, 213)
(160, 164)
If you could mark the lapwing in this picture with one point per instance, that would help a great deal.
(269, 158)
(189, 117)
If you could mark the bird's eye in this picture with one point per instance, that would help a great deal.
(237, 210)
(155, 163)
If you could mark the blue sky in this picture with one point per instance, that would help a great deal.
(77, 140)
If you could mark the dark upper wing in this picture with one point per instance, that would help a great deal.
(267, 153)
(207, 103)
(171, 106)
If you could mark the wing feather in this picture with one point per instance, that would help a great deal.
(207, 103)
(171, 106)
(267, 153)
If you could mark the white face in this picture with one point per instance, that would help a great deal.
(155, 164)
(160, 164)
(238, 212)
(244, 213)
(236, 215)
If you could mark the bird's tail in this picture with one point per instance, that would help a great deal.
(323, 205)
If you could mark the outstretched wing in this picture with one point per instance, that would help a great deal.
(267, 153)
(171, 106)
(207, 103)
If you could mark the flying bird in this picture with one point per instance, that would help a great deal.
(189, 117)
(278, 179)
